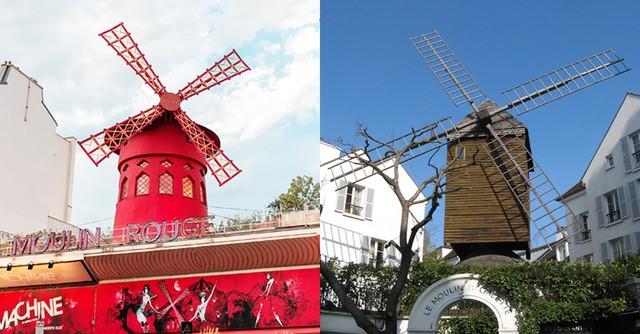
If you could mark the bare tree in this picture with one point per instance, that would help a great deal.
(435, 185)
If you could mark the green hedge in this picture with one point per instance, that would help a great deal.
(545, 293)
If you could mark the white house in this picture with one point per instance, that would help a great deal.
(605, 200)
(360, 223)
(37, 164)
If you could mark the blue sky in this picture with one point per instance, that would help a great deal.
(263, 117)
(371, 74)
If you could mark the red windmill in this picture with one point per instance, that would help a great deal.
(162, 170)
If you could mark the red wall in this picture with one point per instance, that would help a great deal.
(238, 302)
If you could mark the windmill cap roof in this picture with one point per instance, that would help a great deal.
(503, 122)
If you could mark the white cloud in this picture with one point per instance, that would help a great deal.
(87, 87)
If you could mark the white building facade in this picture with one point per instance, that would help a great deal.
(360, 223)
(606, 200)
(37, 169)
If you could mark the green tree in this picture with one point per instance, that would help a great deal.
(302, 192)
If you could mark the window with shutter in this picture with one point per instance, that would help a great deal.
(633, 198)
(612, 206)
(610, 161)
(617, 248)
(635, 154)
(584, 232)
(354, 200)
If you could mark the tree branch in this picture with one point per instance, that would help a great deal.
(361, 319)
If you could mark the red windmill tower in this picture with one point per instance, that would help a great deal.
(164, 154)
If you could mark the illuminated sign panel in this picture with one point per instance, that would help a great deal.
(41, 274)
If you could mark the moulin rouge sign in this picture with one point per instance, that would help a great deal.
(54, 242)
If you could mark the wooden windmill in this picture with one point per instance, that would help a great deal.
(501, 190)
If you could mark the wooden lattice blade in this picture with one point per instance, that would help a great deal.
(100, 145)
(222, 168)
(530, 186)
(565, 80)
(226, 68)
(447, 69)
(120, 40)
(353, 167)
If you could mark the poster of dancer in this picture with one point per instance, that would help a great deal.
(263, 300)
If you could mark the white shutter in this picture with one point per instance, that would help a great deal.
(604, 252)
(364, 248)
(633, 199)
(341, 194)
(624, 146)
(599, 213)
(368, 208)
(623, 203)
(627, 244)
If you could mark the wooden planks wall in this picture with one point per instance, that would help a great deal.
(479, 207)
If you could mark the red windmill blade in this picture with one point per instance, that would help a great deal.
(221, 166)
(119, 39)
(99, 146)
(228, 67)
(102, 144)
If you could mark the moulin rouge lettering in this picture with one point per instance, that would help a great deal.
(54, 242)
(150, 232)
(27, 311)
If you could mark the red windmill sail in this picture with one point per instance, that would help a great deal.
(102, 144)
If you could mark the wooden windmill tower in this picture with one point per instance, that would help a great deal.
(500, 190)
(164, 155)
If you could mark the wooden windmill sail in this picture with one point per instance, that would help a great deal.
(503, 190)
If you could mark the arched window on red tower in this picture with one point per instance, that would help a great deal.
(203, 195)
(165, 186)
(187, 187)
(142, 184)
(124, 186)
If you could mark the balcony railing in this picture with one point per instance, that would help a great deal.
(585, 235)
(613, 216)
(353, 209)
(636, 158)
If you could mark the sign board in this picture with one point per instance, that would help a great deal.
(41, 274)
